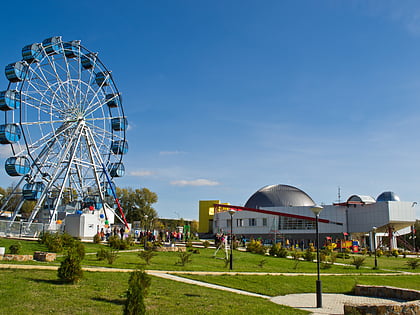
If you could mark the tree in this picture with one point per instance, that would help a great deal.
(137, 204)
(138, 285)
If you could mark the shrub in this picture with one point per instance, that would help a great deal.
(110, 255)
(116, 242)
(413, 263)
(53, 242)
(97, 238)
(278, 251)
(255, 247)
(206, 244)
(70, 270)
(295, 254)
(395, 253)
(15, 248)
(262, 263)
(188, 243)
(138, 285)
(358, 261)
(147, 255)
(184, 258)
(101, 254)
(309, 255)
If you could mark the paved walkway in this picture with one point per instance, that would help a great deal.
(333, 304)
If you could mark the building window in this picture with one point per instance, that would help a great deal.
(286, 223)
(264, 221)
(252, 222)
(239, 222)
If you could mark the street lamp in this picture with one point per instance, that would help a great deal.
(317, 210)
(145, 232)
(374, 245)
(231, 212)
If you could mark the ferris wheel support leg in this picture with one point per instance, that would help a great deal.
(15, 213)
(13, 192)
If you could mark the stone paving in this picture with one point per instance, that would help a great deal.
(332, 304)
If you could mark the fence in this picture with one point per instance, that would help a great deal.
(24, 229)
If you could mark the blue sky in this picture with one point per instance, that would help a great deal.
(225, 97)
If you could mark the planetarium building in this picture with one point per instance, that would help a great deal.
(284, 213)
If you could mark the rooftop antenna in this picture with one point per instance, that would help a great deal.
(339, 194)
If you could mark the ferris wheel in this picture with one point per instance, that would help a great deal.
(65, 124)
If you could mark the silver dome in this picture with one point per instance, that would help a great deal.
(279, 196)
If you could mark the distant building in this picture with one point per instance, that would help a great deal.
(294, 224)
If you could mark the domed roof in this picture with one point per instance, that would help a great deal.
(361, 199)
(388, 196)
(279, 196)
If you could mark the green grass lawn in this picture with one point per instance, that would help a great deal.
(39, 292)
(282, 285)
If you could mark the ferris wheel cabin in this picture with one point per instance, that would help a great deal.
(9, 100)
(116, 169)
(16, 72)
(102, 78)
(9, 133)
(119, 147)
(32, 53)
(88, 60)
(17, 166)
(119, 123)
(113, 100)
(71, 49)
(33, 191)
(52, 45)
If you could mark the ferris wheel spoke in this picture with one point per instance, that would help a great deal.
(53, 65)
(47, 86)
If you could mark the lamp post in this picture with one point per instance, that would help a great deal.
(231, 212)
(317, 210)
(145, 232)
(374, 245)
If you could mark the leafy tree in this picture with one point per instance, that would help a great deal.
(137, 204)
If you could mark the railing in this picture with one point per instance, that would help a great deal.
(25, 229)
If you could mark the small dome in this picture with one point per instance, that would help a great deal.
(279, 196)
(388, 196)
(361, 199)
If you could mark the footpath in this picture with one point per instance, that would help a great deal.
(333, 304)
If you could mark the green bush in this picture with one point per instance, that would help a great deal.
(308, 255)
(116, 242)
(413, 263)
(70, 270)
(110, 255)
(255, 247)
(278, 251)
(15, 249)
(206, 244)
(358, 261)
(184, 258)
(138, 286)
(147, 255)
(101, 254)
(97, 238)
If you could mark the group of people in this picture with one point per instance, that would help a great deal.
(106, 232)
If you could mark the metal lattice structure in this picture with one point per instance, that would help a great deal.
(65, 125)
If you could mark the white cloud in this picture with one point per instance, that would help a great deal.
(195, 182)
(141, 173)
